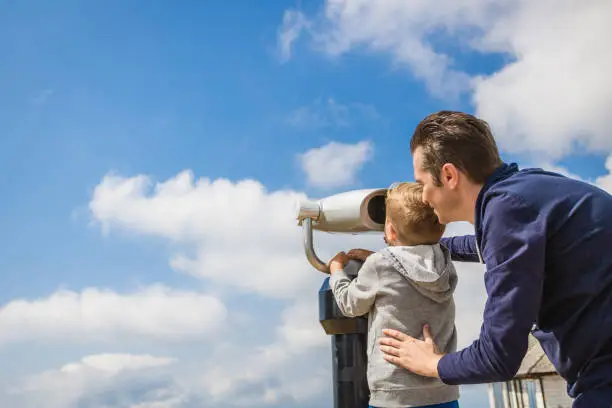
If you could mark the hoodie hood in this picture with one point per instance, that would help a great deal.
(427, 267)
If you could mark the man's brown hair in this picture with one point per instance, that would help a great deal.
(415, 222)
(458, 138)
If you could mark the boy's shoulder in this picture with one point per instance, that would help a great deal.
(378, 258)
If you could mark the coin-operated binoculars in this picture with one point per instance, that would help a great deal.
(351, 212)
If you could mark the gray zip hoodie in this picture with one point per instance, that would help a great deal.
(403, 288)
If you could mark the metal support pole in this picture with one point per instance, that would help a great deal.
(312, 257)
(349, 339)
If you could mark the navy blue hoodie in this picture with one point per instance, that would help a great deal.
(546, 241)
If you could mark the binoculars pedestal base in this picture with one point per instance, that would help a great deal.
(349, 364)
(349, 357)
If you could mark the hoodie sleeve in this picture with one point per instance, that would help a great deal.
(461, 248)
(514, 237)
(356, 297)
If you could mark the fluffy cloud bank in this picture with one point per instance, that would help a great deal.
(244, 240)
(552, 93)
(96, 315)
(242, 236)
(104, 380)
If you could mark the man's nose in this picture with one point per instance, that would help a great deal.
(424, 199)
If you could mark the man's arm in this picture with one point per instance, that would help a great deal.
(356, 297)
(514, 252)
(461, 248)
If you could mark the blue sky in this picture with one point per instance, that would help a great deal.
(241, 91)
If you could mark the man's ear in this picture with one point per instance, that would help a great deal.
(449, 175)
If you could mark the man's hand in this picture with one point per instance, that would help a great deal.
(338, 262)
(359, 254)
(419, 356)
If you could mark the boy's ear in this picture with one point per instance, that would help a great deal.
(392, 231)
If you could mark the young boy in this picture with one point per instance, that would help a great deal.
(404, 286)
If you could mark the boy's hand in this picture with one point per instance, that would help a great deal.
(359, 254)
(338, 262)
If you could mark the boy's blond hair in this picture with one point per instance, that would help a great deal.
(415, 222)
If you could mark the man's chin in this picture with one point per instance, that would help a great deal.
(442, 219)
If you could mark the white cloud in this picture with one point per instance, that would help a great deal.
(247, 240)
(398, 28)
(293, 24)
(335, 164)
(330, 113)
(470, 298)
(244, 237)
(458, 228)
(605, 181)
(103, 315)
(552, 95)
(243, 377)
(557, 91)
(471, 294)
(42, 96)
(298, 339)
(105, 381)
(113, 363)
(300, 328)
(558, 169)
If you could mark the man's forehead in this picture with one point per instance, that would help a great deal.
(417, 156)
(418, 176)
(416, 160)
(418, 173)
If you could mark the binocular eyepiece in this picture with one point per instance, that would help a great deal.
(350, 212)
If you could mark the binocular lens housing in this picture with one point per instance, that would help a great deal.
(350, 212)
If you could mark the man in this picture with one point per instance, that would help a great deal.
(546, 241)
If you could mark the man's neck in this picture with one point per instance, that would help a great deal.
(471, 196)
